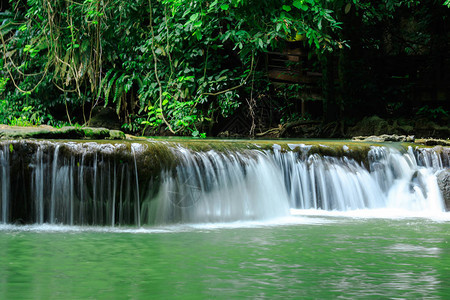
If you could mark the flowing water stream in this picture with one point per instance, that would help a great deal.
(114, 184)
(170, 220)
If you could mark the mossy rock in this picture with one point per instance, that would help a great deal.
(368, 126)
(68, 132)
(116, 135)
(95, 133)
(18, 132)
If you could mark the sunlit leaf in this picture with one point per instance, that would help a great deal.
(299, 4)
(194, 17)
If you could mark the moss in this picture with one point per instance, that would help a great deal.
(68, 132)
(116, 135)
(94, 133)
(354, 150)
(152, 155)
(17, 132)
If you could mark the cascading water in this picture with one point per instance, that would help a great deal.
(393, 180)
(156, 183)
(328, 183)
(405, 184)
(435, 158)
(5, 183)
(216, 187)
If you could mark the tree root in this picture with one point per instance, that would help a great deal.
(281, 130)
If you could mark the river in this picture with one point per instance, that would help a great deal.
(307, 255)
(224, 220)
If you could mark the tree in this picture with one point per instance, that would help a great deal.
(174, 63)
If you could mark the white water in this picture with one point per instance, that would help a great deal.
(94, 187)
(218, 187)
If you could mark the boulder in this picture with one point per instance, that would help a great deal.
(19, 132)
(443, 178)
(369, 126)
(105, 117)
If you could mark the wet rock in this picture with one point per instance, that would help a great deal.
(384, 138)
(17, 132)
(395, 138)
(372, 138)
(68, 132)
(433, 142)
(443, 178)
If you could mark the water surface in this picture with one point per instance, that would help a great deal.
(303, 256)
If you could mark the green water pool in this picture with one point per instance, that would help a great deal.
(307, 257)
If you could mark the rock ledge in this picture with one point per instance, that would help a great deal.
(68, 132)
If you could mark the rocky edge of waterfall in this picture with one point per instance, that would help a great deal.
(401, 138)
(157, 153)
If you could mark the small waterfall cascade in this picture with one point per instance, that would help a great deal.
(124, 183)
(69, 183)
(5, 183)
(391, 180)
(404, 181)
(328, 183)
(436, 158)
(216, 187)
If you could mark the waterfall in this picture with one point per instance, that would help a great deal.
(126, 183)
(435, 158)
(5, 183)
(393, 180)
(217, 187)
(137, 211)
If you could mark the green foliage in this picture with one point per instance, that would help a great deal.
(25, 112)
(434, 113)
(179, 64)
(3, 82)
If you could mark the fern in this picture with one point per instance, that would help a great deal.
(108, 88)
(118, 97)
(103, 81)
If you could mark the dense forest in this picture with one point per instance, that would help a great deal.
(244, 67)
